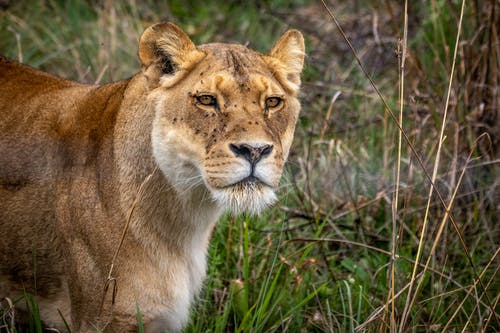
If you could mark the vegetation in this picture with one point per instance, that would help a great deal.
(360, 241)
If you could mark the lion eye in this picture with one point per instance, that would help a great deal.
(207, 100)
(273, 102)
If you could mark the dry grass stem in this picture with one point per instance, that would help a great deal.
(326, 122)
(110, 279)
(402, 58)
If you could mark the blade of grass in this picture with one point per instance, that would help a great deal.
(349, 303)
(221, 321)
(344, 312)
(64, 321)
(140, 325)
(360, 298)
(34, 312)
(246, 264)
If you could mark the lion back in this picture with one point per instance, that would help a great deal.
(50, 130)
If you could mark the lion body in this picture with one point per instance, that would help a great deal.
(78, 161)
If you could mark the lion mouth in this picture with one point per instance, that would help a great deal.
(249, 195)
(247, 183)
(250, 179)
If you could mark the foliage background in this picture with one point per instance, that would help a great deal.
(336, 253)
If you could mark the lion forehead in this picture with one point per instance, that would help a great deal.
(235, 59)
(229, 85)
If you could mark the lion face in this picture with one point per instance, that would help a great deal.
(225, 117)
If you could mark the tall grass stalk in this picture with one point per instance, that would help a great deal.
(402, 54)
(140, 325)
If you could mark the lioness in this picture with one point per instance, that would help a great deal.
(199, 131)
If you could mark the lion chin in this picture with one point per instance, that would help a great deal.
(245, 197)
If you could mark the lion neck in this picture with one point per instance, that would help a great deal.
(164, 219)
(171, 221)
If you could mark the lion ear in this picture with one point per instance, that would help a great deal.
(167, 47)
(287, 58)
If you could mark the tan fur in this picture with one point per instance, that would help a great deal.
(72, 159)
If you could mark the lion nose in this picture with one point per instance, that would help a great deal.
(252, 153)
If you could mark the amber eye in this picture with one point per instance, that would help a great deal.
(273, 102)
(207, 100)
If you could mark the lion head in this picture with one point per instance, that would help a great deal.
(224, 114)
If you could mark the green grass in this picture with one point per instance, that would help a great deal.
(321, 260)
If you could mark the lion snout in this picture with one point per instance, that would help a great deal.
(253, 153)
